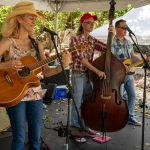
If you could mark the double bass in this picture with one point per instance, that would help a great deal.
(105, 110)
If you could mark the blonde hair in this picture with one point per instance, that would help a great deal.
(11, 28)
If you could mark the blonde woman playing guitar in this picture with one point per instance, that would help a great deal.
(18, 52)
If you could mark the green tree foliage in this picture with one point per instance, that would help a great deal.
(4, 11)
(71, 19)
(65, 19)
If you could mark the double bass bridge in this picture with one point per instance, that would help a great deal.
(106, 97)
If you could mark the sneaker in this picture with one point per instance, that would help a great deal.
(93, 133)
(134, 122)
(79, 139)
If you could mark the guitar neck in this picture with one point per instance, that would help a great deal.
(83, 46)
(43, 62)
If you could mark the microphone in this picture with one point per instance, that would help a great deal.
(48, 30)
(129, 30)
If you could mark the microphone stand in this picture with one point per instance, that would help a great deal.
(145, 66)
(69, 95)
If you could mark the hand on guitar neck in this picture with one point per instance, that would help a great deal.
(130, 67)
(66, 59)
(82, 46)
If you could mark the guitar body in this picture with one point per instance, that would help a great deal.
(127, 62)
(13, 85)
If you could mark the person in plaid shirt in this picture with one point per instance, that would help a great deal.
(123, 49)
(84, 46)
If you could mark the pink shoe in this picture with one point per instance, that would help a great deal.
(93, 133)
(102, 139)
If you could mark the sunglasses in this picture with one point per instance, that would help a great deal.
(89, 22)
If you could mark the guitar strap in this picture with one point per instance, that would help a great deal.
(35, 45)
(48, 97)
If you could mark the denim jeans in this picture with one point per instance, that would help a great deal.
(128, 93)
(81, 87)
(30, 111)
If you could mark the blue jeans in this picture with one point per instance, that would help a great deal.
(30, 111)
(128, 93)
(81, 87)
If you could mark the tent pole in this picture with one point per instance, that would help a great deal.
(56, 29)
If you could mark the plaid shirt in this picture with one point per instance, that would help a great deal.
(86, 52)
(121, 50)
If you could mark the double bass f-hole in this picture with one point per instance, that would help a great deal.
(118, 102)
(109, 97)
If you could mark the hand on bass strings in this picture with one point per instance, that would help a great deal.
(112, 29)
(101, 74)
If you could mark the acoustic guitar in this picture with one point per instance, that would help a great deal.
(14, 83)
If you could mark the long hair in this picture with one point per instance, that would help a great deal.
(10, 28)
(80, 30)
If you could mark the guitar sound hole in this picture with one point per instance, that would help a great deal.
(24, 72)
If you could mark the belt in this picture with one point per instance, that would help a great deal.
(78, 71)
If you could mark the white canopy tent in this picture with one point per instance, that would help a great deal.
(138, 20)
(72, 5)
(83, 5)
(99, 5)
(39, 4)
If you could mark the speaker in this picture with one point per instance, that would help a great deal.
(58, 79)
